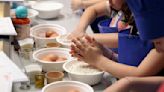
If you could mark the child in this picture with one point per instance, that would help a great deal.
(89, 15)
(149, 31)
(83, 4)
(80, 5)
(89, 50)
(135, 84)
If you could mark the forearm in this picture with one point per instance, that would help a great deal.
(145, 84)
(136, 84)
(109, 39)
(87, 3)
(122, 85)
(116, 69)
(153, 79)
(90, 14)
(147, 67)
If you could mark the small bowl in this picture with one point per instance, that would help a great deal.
(38, 32)
(93, 77)
(51, 44)
(48, 9)
(67, 86)
(63, 40)
(52, 66)
(29, 3)
(31, 14)
(53, 76)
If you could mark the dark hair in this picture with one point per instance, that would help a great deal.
(129, 17)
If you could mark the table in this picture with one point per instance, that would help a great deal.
(106, 81)
(67, 18)
(69, 21)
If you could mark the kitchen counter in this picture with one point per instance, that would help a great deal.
(68, 20)
(105, 82)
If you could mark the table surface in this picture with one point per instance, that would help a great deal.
(68, 20)
(106, 81)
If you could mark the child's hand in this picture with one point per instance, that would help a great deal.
(76, 4)
(76, 34)
(86, 49)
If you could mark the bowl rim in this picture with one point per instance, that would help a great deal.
(76, 82)
(65, 69)
(52, 48)
(34, 12)
(44, 26)
(58, 40)
(35, 6)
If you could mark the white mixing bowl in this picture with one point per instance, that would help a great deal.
(64, 41)
(52, 66)
(42, 41)
(87, 75)
(48, 9)
(67, 86)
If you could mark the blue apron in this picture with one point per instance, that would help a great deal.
(104, 28)
(148, 15)
(131, 49)
(94, 24)
(104, 25)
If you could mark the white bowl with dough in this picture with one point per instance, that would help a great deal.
(80, 71)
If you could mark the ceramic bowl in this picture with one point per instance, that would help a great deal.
(38, 32)
(67, 86)
(85, 74)
(48, 9)
(53, 76)
(52, 65)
